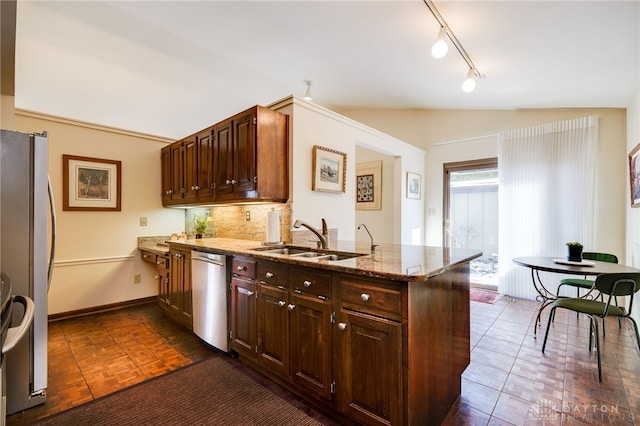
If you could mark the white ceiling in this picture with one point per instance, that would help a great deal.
(172, 68)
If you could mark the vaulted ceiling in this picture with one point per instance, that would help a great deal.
(173, 67)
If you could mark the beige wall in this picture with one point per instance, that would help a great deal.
(458, 135)
(96, 253)
(314, 125)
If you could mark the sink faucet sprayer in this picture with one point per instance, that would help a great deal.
(323, 238)
(373, 246)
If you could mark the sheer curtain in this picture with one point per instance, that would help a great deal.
(548, 185)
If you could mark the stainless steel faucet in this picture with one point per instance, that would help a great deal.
(323, 238)
(373, 246)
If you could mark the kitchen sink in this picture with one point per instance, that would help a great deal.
(306, 253)
(287, 250)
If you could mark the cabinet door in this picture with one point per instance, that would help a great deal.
(205, 164)
(223, 158)
(243, 316)
(166, 177)
(177, 171)
(187, 302)
(273, 329)
(190, 169)
(163, 281)
(310, 338)
(175, 283)
(244, 138)
(369, 388)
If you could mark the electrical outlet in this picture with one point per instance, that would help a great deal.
(247, 215)
(143, 221)
(137, 279)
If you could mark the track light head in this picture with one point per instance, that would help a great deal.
(470, 83)
(307, 94)
(440, 47)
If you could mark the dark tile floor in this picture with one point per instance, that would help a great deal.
(509, 380)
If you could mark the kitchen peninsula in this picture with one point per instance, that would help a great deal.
(379, 338)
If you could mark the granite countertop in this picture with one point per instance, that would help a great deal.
(390, 261)
(156, 245)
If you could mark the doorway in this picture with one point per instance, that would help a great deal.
(470, 215)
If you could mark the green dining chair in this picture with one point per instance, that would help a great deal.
(584, 283)
(611, 285)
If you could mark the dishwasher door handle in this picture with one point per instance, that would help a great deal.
(204, 259)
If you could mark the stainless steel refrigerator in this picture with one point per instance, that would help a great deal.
(26, 257)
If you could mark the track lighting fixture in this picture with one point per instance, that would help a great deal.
(441, 48)
(307, 94)
(470, 83)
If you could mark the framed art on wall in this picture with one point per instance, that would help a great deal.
(634, 175)
(90, 184)
(369, 185)
(414, 185)
(329, 170)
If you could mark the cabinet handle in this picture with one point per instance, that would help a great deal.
(241, 268)
(168, 192)
(157, 277)
(233, 181)
(269, 275)
(244, 291)
(230, 182)
(291, 307)
(282, 303)
(196, 187)
(364, 297)
(342, 326)
(158, 262)
(307, 283)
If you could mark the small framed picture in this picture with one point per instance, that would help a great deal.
(90, 184)
(369, 185)
(329, 170)
(414, 185)
(634, 175)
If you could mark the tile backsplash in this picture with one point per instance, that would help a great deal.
(245, 221)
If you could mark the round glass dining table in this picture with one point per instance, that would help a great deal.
(562, 266)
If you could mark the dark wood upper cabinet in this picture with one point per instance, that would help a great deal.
(204, 165)
(242, 158)
(190, 169)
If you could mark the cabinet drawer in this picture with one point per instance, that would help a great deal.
(370, 298)
(311, 282)
(274, 274)
(148, 256)
(243, 267)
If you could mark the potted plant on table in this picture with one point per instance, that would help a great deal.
(575, 251)
(199, 226)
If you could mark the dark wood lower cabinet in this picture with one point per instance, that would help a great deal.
(179, 298)
(370, 353)
(311, 343)
(243, 318)
(378, 352)
(273, 326)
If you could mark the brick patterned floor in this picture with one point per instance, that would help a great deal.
(509, 380)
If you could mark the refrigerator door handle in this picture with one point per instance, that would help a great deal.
(15, 334)
(52, 251)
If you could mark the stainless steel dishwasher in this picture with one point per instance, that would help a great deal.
(209, 289)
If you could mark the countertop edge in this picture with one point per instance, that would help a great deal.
(350, 266)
